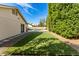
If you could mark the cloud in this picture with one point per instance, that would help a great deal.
(26, 6)
(27, 11)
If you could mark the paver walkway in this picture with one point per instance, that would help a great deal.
(4, 44)
(74, 43)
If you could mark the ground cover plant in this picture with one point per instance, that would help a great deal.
(40, 44)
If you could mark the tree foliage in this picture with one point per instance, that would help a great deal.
(63, 19)
(42, 23)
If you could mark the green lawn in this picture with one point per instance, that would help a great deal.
(38, 43)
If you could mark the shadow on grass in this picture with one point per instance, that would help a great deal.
(27, 39)
(45, 47)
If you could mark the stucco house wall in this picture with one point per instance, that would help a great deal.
(10, 24)
(22, 22)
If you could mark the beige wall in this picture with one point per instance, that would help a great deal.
(22, 21)
(9, 24)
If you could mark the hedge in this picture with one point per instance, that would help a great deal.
(63, 19)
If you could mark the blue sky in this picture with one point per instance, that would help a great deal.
(32, 12)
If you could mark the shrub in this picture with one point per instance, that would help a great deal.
(63, 18)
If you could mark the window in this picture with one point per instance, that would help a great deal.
(22, 28)
(14, 11)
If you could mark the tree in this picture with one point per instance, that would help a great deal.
(42, 23)
(63, 19)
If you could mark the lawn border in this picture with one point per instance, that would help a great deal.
(69, 42)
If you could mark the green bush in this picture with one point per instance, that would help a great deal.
(63, 19)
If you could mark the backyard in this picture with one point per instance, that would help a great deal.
(40, 44)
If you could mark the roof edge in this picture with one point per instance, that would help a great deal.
(13, 7)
